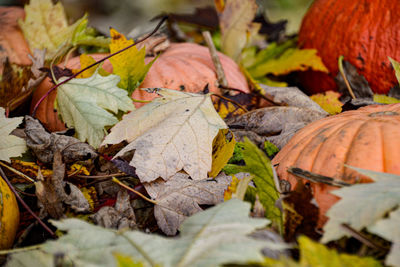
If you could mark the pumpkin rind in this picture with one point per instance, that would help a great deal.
(367, 138)
(365, 32)
(12, 41)
(182, 66)
(9, 216)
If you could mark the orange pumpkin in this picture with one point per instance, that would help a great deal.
(367, 138)
(12, 41)
(365, 32)
(183, 66)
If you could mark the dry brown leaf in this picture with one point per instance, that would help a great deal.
(44, 144)
(180, 197)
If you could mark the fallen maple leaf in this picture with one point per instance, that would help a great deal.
(174, 132)
(213, 237)
(329, 101)
(236, 24)
(222, 152)
(10, 145)
(85, 104)
(362, 205)
(129, 65)
(180, 197)
(45, 26)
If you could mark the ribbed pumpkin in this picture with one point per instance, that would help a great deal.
(367, 138)
(185, 66)
(365, 32)
(12, 42)
(9, 216)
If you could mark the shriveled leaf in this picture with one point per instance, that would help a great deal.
(222, 152)
(44, 145)
(274, 124)
(18, 82)
(396, 66)
(214, 237)
(389, 229)
(384, 99)
(172, 133)
(362, 205)
(180, 197)
(293, 59)
(10, 145)
(329, 101)
(85, 104)
(45, 26)
(129, 65)
(236, 24)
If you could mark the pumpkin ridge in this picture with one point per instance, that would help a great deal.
(353, 139)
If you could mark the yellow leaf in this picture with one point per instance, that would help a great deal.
(86, 61)
(231, 188)
(396, 66)
(45, 26)
(219, 5)
(384, 99)
(293, 59)
(128, 65)
(329, 101)
(222, 152)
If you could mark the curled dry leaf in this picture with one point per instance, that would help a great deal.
(174, 132)
(180, 197)
(44, 144)
(53, 192)
(120, 216)
(274, 124)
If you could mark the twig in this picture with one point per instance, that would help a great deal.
(232, 89)
(316, 178)
(94, 64)
(217, 63)
(115, 180)
(342, 72)
(361, 237)
(17, 172)
(24, 204)
(100, 176)
(16, 250)
(232, 101)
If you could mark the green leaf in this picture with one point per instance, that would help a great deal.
(396, 66)
(213, 237)
(10, 145)
(293, 59)
(315, 254)
(84, 35)
(130, 64)
(45, 26)
(362, 205)
(270, 148)
(236, 25)
(85, 104)
(384, 99)
(258, 164)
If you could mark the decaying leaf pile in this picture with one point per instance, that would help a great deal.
(184, 179)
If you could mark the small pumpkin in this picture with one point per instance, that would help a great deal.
(367, 138)
(12, 41)
(9, 216)
(365, 32)
(185, 66)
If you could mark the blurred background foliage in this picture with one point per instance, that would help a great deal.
(133, 16)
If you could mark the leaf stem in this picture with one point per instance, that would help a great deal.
(342, 72)
(115, 180)
(96, 63)
(232, 101)
(23, 175)
(3, 175)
